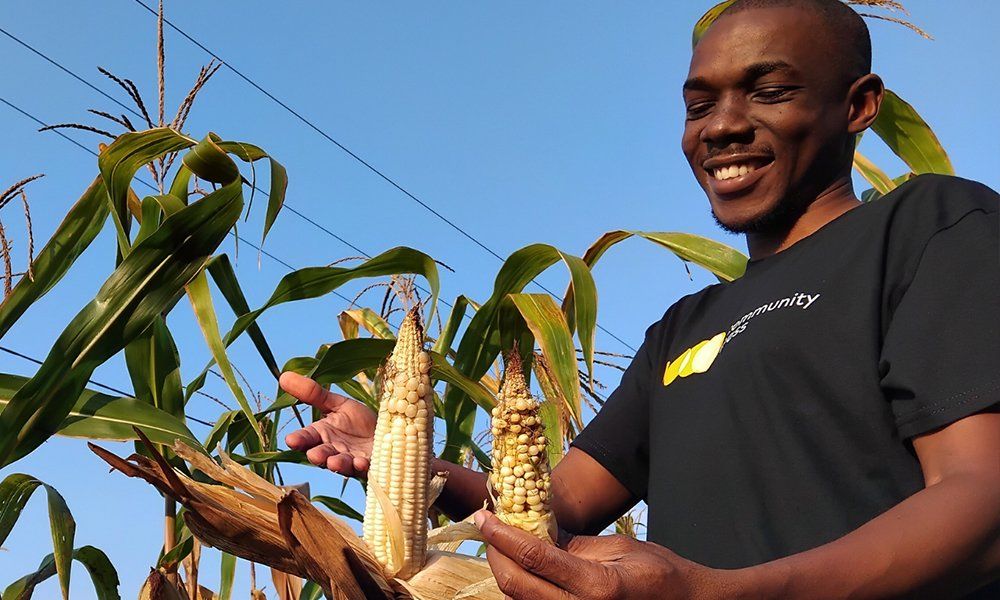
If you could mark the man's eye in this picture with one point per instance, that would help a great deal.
(698, 109)
(771, 94)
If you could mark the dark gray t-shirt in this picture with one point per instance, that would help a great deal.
(879, 327)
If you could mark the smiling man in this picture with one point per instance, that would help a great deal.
(827, 426)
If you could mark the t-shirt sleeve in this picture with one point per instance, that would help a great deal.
(940, 357)
(618, 436)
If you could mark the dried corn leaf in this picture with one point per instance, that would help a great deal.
(449, 537)
(324, 554)
(478, 590)
(446, 574)
(293, 536)
(393, 523)
(287, 587)
(436, 486)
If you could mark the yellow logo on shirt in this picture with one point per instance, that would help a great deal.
(696, 359)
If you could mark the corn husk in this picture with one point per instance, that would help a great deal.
(258, 521)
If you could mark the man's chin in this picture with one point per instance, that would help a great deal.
(774, 220)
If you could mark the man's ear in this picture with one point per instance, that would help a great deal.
(864, 99)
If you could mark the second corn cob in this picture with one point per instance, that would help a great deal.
(520, 476)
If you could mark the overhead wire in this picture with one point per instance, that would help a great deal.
(354, 155)
(94, 382)
(152, 187)
(286, 205)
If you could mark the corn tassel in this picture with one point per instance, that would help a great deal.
(520, 475)
(401, 453)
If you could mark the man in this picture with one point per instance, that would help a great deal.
(845, 441)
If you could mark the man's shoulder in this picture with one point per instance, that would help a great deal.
(935, 201)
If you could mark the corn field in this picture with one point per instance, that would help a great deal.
(457, 384)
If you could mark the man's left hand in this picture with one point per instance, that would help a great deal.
(592, 567)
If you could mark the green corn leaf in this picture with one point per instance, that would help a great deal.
(150, 220)
(339, 507)
(177, 553)
(154, 365)
(548, 325)
(102, 574)
(314, 282)
(97, 416)
(146, 282)
(355, 390)
(201, 301)
(126, 155)
(228, 575)
(447, 336)
(344, 360)
(279, 179)
(552, 421)
(481, 341)
(311, 591)
(182, 181)
(726, 263)
(874, 175)
(442, 370)
(371, 321)
(910, 137)
(265, 458)
(514, 333)
(220, 429)
(81, 225)
(221, 270)
(706, 21)
(15, 491)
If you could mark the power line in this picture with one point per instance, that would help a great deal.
(96, 383)
(353, 155)
(154, 188)
(286, 205)
(132, 110)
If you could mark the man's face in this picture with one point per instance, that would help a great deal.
(767, 115)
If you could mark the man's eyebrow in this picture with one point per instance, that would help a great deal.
(758, 70)
(750, 74)
(697, 83)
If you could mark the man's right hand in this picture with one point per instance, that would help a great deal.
(342, 440)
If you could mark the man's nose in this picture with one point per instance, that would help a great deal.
(728, 124)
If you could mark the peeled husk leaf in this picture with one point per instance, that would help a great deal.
(282, 529)
(287, 587)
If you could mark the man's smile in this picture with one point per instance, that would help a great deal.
(735, 173)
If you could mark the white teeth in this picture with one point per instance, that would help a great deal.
(731, 171)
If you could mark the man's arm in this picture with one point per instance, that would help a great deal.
(943, 541)
(586, 498)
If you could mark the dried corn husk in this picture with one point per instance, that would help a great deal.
(282, 529)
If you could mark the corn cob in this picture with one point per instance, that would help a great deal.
(401, 452)
(520, 475)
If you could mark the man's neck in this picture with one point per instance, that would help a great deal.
(830, 204)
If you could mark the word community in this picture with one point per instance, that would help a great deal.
(797, 300)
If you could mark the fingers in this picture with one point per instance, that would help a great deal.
(310, 392)
(303, 439)
(334, 457)
(533, 555)
(517, 583)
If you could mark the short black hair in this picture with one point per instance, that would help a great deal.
(844, 25)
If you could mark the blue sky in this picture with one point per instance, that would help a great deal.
(519, 122)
